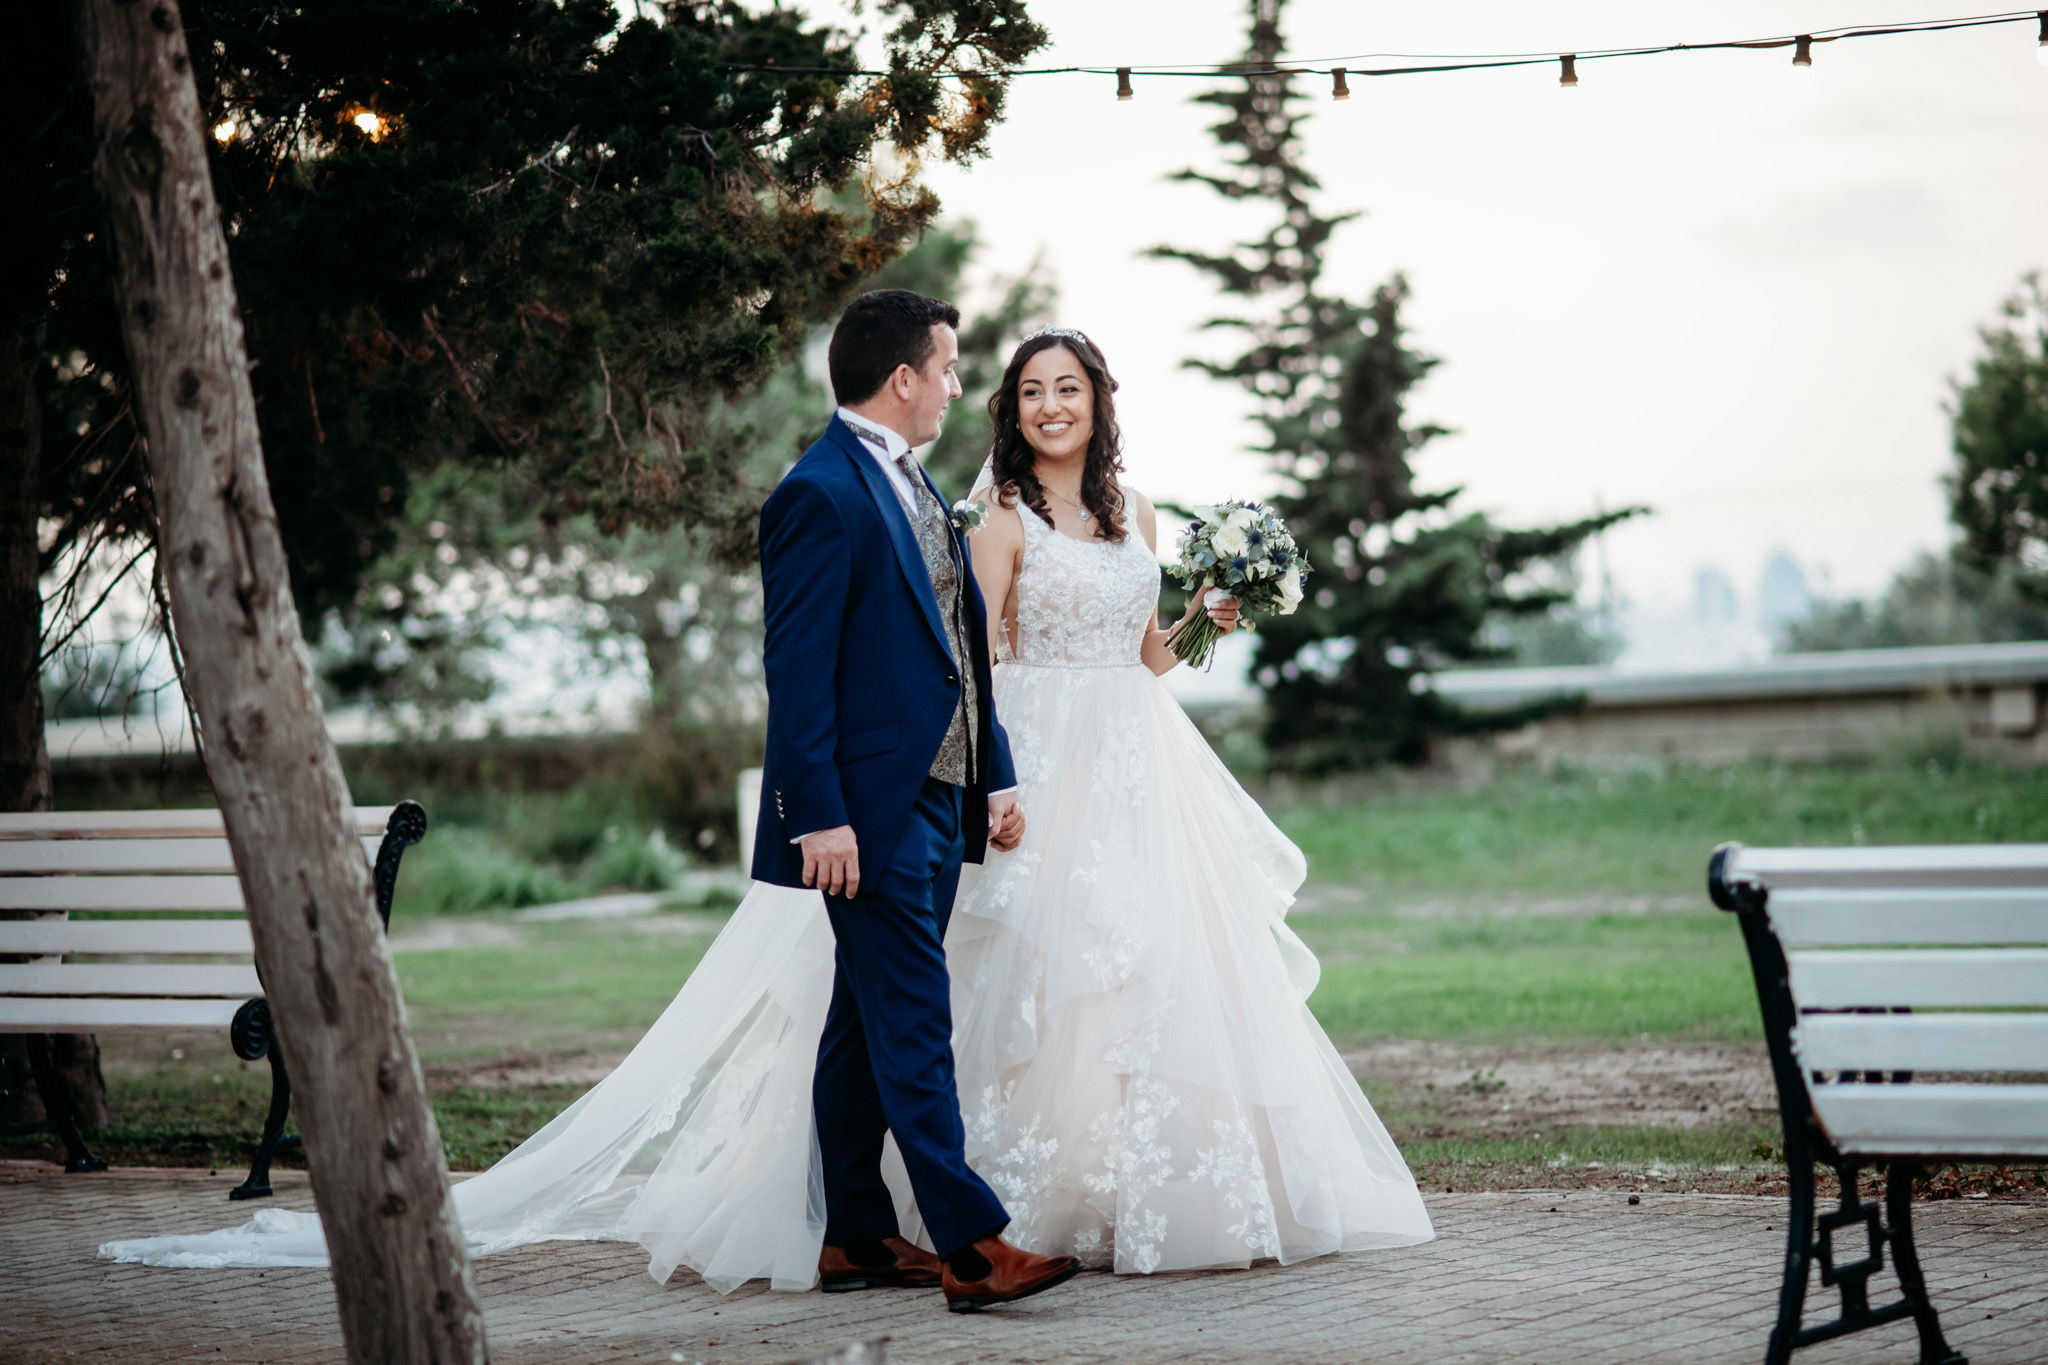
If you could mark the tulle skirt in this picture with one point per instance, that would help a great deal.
(1141, 1079)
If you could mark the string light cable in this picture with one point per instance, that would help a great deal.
(1341, 70)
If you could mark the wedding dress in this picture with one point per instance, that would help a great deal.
(1140, 1077)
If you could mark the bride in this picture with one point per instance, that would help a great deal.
(1141, 1080)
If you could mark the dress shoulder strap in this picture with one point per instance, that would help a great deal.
(1034, 525)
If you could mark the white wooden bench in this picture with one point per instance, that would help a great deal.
(168, 941)
(1871, 965)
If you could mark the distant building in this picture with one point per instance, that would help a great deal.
(1796, 705)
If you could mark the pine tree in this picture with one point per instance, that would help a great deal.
(1403, 583)
(1998, 491)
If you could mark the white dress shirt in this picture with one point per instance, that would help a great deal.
(892, 447)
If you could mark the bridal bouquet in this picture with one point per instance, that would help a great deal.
(1242, 549)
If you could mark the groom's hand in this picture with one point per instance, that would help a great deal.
(1005, 821)
(832, 861)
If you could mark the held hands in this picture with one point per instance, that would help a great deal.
(1221, 606)
(832, 861)
(1005, 822)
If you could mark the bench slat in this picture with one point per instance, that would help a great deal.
(27, 1014)
(127, 978)
(1928, 865)
(124, 855)
(120, 893)
(1932, 976)
(1976, 915)
(1923, 1042)
(145, 824)
(49, 937)
(1959, 1120)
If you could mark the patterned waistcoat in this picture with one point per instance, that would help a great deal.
(956, 758)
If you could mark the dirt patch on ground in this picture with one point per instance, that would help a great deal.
(527, 1070)
(1498, 1095)
(1517, 1091)
(445, 935)
(455, 932)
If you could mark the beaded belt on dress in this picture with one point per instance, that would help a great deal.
(1035, 663)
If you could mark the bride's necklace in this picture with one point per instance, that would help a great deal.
(1079, 511)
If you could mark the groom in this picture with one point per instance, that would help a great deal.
(886, 769)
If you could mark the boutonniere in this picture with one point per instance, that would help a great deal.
(968, 517)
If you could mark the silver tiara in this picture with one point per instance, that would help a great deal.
(1057, 332)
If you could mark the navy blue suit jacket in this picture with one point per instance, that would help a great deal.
(861, 684)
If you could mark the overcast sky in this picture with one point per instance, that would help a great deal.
(1695, 282)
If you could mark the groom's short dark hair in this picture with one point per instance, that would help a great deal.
(883, 328)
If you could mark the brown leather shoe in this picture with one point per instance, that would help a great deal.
(915, 1268)
(1013, 1274)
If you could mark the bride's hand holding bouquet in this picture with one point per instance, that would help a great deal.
(1240, 549)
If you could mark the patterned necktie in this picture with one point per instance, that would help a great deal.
(924, 507)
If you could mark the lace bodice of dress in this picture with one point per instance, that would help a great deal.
(1081, 603)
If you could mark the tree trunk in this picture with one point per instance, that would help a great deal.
(24, 758)
(401, 1274)
(24, 761)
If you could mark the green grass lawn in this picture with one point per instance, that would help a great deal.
(564, 987)
(1532, 979)
(1494, 917)
(1575, 833)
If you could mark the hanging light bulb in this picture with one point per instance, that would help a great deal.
(2041, 52)
(368, 122)
(1568, 77)
(1340, 88)
(1123, 82)
(1802, 56)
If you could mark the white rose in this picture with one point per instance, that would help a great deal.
(1290, 591)
(1244, 518)
(1229, 540)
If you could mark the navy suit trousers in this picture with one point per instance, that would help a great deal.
(885, 1063)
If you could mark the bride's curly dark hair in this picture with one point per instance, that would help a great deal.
(1013, 462)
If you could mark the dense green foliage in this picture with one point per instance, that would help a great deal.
(1998, 492)
(536, 232)
(1403, 583)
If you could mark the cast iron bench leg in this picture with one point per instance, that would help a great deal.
(257, 1186)
(57, 1107)
(1898, 1198)
(1798, 1254)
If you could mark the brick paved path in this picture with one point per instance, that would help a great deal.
(1582, 1278)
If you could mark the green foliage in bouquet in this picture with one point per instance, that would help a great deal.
(1405, 583)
